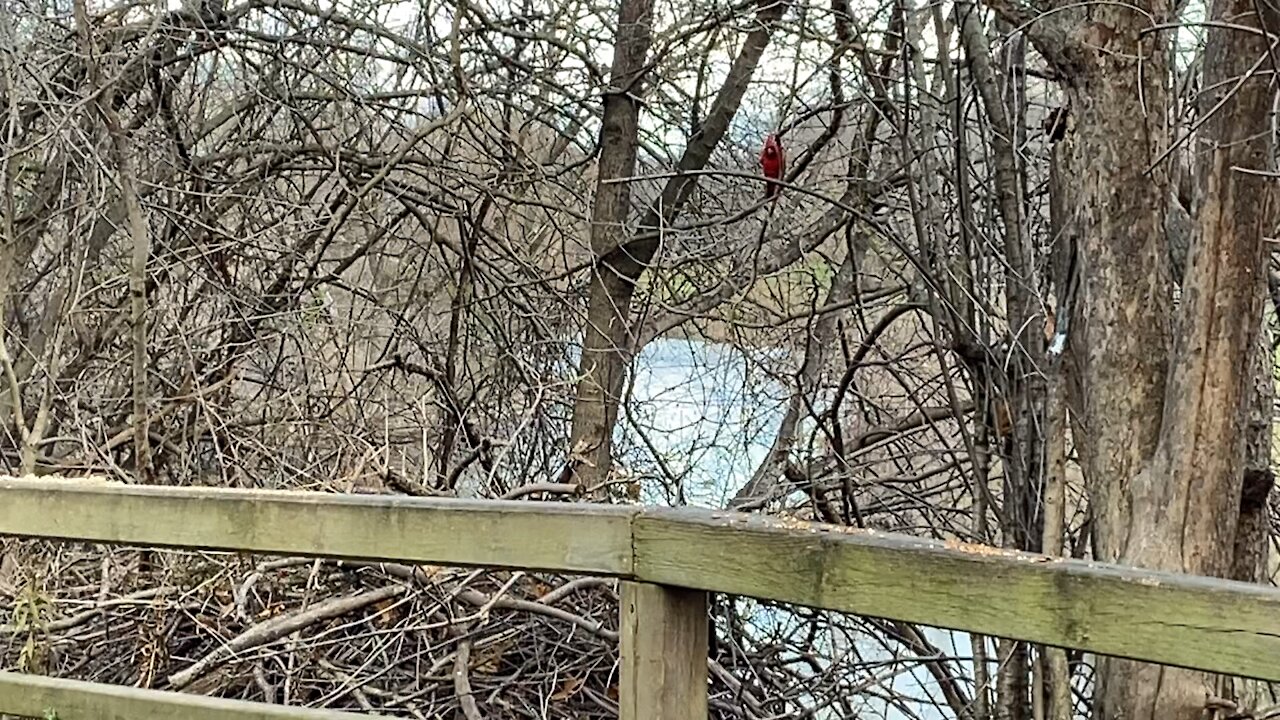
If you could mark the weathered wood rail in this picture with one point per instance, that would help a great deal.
(668, 560)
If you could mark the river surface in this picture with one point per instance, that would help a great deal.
(711, 412)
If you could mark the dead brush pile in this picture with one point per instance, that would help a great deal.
(400, 640)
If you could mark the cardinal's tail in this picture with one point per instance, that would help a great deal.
(771, 189)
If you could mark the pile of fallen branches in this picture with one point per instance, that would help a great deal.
(410, 641)
(416, 641)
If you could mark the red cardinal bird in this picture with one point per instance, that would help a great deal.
(773, 163)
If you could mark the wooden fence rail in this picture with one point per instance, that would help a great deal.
(668, 559)
(41, 697)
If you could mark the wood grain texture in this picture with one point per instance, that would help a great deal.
(1194, 622)
(554, 536)
(664, 653)
(38, 696)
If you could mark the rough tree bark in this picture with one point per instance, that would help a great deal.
(1185, 505)
(1249, 557)
(1253, 532)
(1121, 338)
(1162, 429)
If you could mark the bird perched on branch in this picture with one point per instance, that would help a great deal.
(773, 163)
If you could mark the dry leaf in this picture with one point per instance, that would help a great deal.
(488, 661)
(388, 612)
(568, 689)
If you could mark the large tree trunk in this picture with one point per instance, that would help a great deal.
(1121, 338)
(1120, 335)
(1162, 442)
(1180, 511)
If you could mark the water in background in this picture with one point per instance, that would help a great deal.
(711, 413)
(708, 410)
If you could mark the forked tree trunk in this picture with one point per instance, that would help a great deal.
(1161, 425)
(1180, 511)
(622, 259)
(601, 367)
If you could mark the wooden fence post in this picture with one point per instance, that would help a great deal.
(664, 653)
